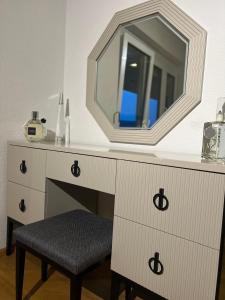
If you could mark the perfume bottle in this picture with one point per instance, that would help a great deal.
(213, 146)
(67, 124)
(60, 124)
(34, 130)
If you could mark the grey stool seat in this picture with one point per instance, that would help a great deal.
(74, 241)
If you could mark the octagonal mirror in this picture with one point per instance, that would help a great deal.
(147, 63)
(145, 73)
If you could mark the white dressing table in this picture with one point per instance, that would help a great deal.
(168, 215)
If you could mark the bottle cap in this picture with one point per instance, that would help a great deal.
(35, 115)
(219, 117)
(67, 114)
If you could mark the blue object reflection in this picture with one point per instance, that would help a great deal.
(153, 111)
(128, 111)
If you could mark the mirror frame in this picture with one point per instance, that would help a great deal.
(196, 37)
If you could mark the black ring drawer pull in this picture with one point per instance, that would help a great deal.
(22, 205)
(160, 200)
(155, 265)
(75, 169)
(23, 167)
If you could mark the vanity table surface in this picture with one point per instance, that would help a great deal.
(179, 160)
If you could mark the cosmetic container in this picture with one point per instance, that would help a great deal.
(34, 129)
(67, 124)
(60, 124)
(213, 146)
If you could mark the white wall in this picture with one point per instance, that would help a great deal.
(32, 38)
(87, 19)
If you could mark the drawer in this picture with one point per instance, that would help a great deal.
(96, 173)
(189, 270)
(25, 205)
(195, 200)
(26, 166)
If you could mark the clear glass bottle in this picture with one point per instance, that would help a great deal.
(60, 124)
(34, 130)
(213, 146)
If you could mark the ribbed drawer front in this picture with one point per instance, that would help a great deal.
(190, 270)
(195, 200)
(94, 172)
(26, 166)
(25, 205)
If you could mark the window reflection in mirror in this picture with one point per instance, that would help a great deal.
(135, 81)
(134, 87)
(141, 73)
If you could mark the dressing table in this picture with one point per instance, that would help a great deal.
(168, 214)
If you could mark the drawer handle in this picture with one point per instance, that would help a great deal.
(160, 200)
(23, 167)
(75, 169)
(155, 265)
(22, 205)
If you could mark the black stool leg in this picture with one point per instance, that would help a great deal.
(44, 270)
(9, 248)
(75, 287)
(20, 261)
(115, 287)
(128, 292)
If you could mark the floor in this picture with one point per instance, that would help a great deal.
(57, 286)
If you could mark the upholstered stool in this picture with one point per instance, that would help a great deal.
(74, 243)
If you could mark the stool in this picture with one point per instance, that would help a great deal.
(74, 243)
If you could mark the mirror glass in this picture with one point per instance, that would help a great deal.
(141, 72)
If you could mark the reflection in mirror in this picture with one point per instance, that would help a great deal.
(141, 72)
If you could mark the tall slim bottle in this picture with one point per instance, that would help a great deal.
(67, 124)
(60, 125)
